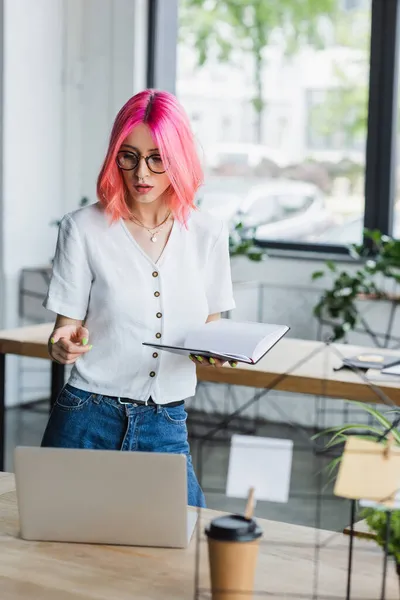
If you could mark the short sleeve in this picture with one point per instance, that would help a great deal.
(71, 278)
(219, 280)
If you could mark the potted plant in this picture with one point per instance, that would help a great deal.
(378, 267)
(375, 519)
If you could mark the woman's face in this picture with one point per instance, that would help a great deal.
(144, 185)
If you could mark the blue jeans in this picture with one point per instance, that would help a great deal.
(80, 419)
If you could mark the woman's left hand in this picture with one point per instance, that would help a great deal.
(210, 362)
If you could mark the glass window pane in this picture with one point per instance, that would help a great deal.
(278, 97)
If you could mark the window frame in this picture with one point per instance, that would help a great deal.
(381, 150)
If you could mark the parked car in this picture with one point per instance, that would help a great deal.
(223, 196)
(299, 227)
(277, 209)
(240, 157)
(286, 210)
(350, 232)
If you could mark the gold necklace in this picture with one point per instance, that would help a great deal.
(159, 227)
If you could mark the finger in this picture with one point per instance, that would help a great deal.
(73, 347)
(55, 336)
(218, 363)
(199, 358)
(233, 364)
(192, 358)
(215, 362)
(61, 354)
(63, 360)
(83, 335)
(67, 354)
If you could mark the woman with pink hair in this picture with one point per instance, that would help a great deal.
(140, 265)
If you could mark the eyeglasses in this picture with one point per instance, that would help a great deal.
(127, 161)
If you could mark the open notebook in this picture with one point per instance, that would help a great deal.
(244, 342)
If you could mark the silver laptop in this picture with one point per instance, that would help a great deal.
(103, 497)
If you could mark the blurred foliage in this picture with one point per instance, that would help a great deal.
(242, 244)
(222, 29)
(376, 519)
(377, 522)
(378, 255)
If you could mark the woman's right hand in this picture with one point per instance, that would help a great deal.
(68, 342)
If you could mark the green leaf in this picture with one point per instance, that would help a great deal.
(331, 265)
(317, 275)
(356, 427)
(386, 424)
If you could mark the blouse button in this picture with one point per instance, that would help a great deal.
(158, 335)
(156, 294)
(152, 374)
(155, 354)
(159, 315)
(155, 274)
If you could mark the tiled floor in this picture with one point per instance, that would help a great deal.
(311, 500)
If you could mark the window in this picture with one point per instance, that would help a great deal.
(296, 114)
(289, 115)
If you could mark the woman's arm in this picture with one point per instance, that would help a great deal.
(213, 317)
(61, 321)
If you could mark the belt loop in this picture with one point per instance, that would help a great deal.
(158, 408)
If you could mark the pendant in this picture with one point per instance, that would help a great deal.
(153, 238)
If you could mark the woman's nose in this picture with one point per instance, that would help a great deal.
(142, 170)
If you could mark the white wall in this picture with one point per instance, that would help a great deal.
(32, 134)
(32, 138)
(105, 56)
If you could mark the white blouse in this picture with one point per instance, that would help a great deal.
(102, 276)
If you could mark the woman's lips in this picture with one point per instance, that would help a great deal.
(143, 189)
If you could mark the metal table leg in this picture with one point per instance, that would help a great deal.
(57, 381)
(2, 410)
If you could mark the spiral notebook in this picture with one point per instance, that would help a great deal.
(245, 342)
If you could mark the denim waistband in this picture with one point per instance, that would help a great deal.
(120, 400)
(150, 402)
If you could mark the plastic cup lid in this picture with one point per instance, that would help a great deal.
(233, 528)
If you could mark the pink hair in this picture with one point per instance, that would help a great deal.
(170, 128)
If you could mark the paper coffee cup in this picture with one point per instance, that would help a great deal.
(233, 543)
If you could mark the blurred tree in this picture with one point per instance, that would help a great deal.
(344, 110)
(223, 27)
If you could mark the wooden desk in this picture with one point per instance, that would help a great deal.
(286, 568)
(315, 374)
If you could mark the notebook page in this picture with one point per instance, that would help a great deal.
(269, 341)
(229, 337)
